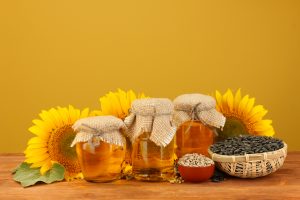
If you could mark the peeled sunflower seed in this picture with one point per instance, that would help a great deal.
(195, 160)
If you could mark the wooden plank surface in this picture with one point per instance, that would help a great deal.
(284, 184)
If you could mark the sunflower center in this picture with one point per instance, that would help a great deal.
(60, 150)
(233, 127)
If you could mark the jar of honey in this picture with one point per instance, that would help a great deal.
(101, 147)
(197, 119)
(151, 132)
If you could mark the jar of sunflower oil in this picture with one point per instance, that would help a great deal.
(151, 132)
(100, 146)
(197, 119)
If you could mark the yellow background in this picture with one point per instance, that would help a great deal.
(72, 52)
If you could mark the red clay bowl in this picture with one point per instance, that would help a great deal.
(196, 174)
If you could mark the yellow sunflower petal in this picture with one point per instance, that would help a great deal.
(85, 113)
(64, 115)
(131, 96)
(72, 114)
(36, 130)
(123, 101)
(78, 113)
(257, 113)
(219, 101)
(36, 145)
(117, 107)
(262, 124)
(42, 134)
(249, 106)
(106, 106)
(237, 99)
(268, 132)
(258, 116)
(224, 103)
(34, 159)
(46, 117)
(110, 106)
(230, 100)
(37, 140)
(45, 167)
(243, 104)
(55, 117)
(35, 152)
(40, 164)
(41, 124)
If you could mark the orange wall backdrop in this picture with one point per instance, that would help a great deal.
(72, 52)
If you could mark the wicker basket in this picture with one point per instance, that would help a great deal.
(250, 165)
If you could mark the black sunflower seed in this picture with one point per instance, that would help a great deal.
(248, 144)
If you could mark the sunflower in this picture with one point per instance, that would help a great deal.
(53, 136)
(242, 116)
(117, 103)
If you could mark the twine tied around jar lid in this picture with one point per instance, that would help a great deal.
(153, 115)
(197, 107)
(92, 130)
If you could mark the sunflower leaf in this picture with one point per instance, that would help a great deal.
(29, 176)
(16, 168)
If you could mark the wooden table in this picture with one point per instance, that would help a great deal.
(284, 184)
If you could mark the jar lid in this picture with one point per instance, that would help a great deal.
(152, 106)
(153, 115)
(104, 128)
(197, 107)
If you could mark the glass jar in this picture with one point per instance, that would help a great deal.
(102, 163)
(197, 120)
(100, 147)
(151, 162)
(193, 137)
(152, 135)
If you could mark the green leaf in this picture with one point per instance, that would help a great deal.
(29, 176)
(15, 169)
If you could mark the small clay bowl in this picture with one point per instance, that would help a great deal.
(196, 174)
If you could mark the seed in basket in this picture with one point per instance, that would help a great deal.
(249, 156)
(247, 144)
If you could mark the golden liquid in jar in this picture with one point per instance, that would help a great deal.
(128, 152)
(151, 162)
(102, 165)
(193, 137)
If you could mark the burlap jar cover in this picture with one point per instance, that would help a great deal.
(197, 107)
(101, 128)
(153, 115)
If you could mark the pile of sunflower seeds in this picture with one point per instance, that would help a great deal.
(195, 160)
(241, 145)
(218, 176)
